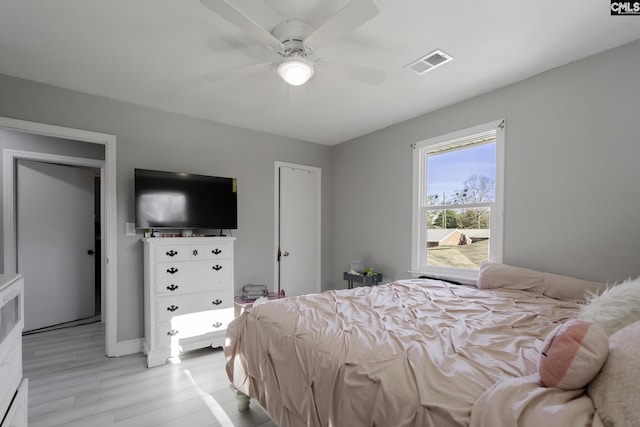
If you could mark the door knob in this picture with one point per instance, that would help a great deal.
(90, 251)
(285, 253)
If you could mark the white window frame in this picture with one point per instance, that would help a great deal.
(419, 265)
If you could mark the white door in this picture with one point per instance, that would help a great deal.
(55, 239)
(299, 229)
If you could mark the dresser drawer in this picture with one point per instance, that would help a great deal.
(218, 251)
(193, 325)
(171, 306)
(181, 252)
(192, 276)
(10, 370)
(17, 413)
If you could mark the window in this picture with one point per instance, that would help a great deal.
(457, 202)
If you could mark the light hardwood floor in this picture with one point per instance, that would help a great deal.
(72, 383)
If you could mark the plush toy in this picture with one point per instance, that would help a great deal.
(573, 354)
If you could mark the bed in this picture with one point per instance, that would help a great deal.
(414, 352)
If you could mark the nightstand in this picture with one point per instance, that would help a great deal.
(362, 279)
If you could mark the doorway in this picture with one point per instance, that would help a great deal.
(298, 230)
(108, 213)
(56, 243)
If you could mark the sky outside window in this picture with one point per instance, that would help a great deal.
(448, 171)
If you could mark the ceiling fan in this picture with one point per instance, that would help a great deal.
(295, 42)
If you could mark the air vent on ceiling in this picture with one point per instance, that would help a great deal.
(429, 62)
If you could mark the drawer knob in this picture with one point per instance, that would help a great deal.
(217, 324)
(195, 252)
(216, 251)
(217, 267)
(217, 302)
(172, 270)
(172, 308)
(172, 287)
(172, 332)
(172, 253)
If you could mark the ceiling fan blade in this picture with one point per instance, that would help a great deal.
(355, 72)
(238, 72)
(242, 21)
(351, 16)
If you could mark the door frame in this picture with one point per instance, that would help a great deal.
(107, 210)
(276, 240)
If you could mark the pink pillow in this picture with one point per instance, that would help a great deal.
(495, 275)
(573, 354)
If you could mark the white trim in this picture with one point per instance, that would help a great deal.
(417, 234)
(418, 193)
(276, 191)
(109, 212)
(124, 348)
(497, 215)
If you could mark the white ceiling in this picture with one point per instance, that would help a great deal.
(157, 52)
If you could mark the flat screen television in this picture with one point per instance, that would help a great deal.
(174, 200)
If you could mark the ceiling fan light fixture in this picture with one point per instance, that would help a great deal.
(296, 71)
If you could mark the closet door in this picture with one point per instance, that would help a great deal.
(299, 230)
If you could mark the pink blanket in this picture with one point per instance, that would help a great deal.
(410, 353)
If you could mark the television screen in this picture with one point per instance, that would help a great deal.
(183, 200)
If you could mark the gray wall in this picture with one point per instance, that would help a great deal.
(572, 202)
(152, 139)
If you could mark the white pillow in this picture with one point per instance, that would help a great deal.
(616, 389)
(615, 308)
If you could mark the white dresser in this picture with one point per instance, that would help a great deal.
(13, 388)
(188, 294)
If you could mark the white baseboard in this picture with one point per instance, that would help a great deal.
(124, 348)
